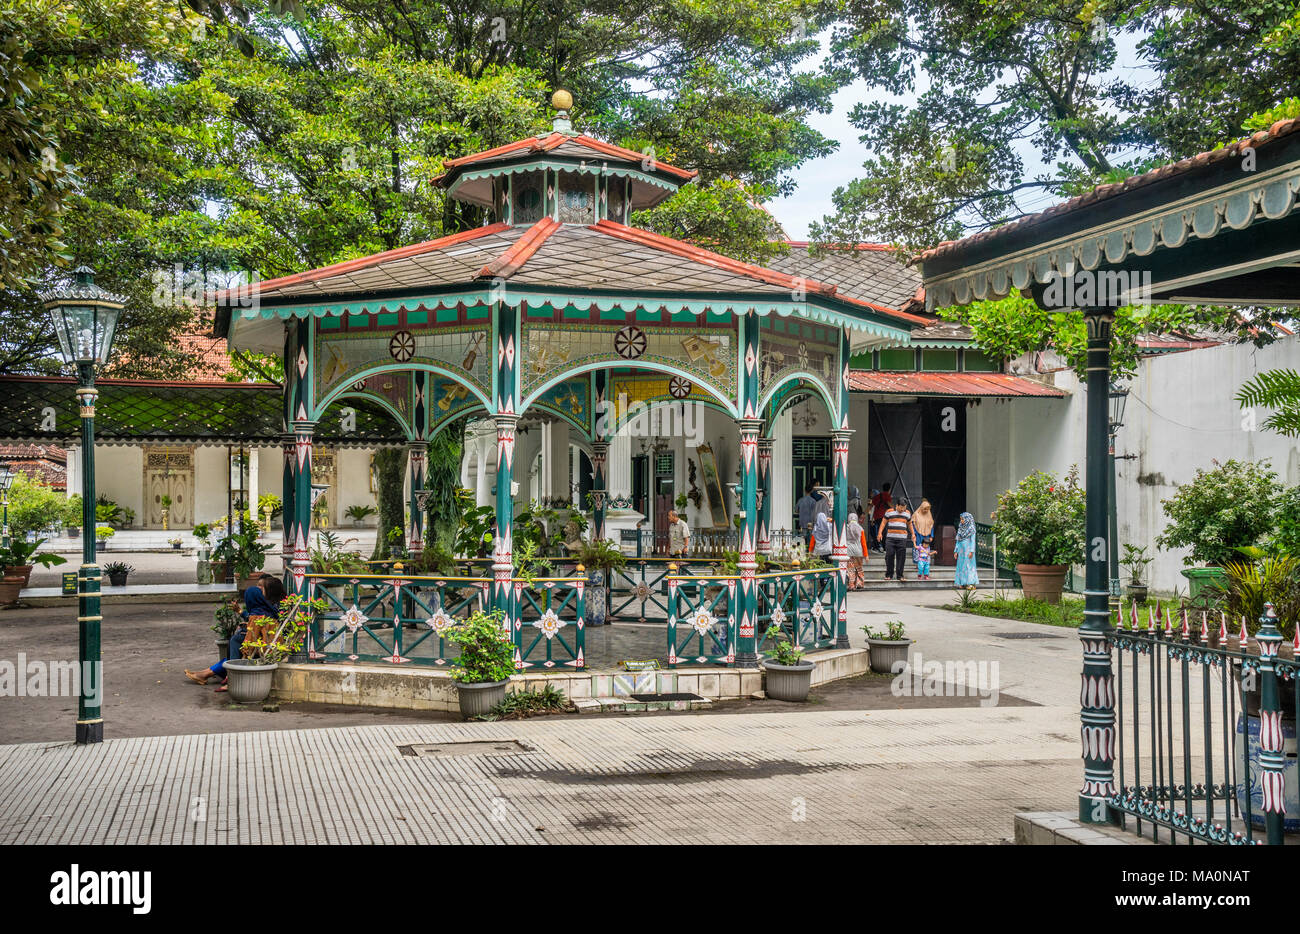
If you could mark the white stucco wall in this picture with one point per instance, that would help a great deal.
(1181, 416)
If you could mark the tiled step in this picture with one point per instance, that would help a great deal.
(631, 705)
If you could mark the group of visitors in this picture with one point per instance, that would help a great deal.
(893, 529)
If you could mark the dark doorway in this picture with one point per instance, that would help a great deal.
(810, 460)
(584, 478)
(894, 451)
(665, 490)
(641, 484)
(943, 458)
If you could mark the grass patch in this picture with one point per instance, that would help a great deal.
(1068, 613)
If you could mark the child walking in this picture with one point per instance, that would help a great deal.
(921, 555)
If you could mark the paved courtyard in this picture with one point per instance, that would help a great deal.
(856, 765)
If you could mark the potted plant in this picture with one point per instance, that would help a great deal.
(11, 585)
(486, 662)
(227, 618)
(888, 647)
(19, 557)
(117, 572)
(244, 554)
(72, 516)
(175, 543)
(788, 675)
(1136, 560)
(102, 534)
(203, 570)
(598, 559)
(1041, 524)
(268, 643)
(1220, 510)
(269, 505)
(359, 513)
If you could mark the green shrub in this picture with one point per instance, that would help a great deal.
(33, 505)
(1042, 521)
(1221, 510)
(1286, 518)
(486, 652)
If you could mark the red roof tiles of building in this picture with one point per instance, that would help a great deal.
(48, 462)
(1102, 192)
(966, 385)
(566, 145)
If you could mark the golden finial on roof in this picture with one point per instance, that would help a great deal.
(561, 100)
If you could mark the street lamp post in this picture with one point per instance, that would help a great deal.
(85, 317)
(6, 478)
(1118, 399)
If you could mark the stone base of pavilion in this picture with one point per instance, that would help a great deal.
(378, 684)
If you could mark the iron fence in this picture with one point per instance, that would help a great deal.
(550, 623)
(1205, 729)
(801, 603)
(702, 620)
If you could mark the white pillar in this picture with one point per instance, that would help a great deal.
(620, 464)
(782, 474)
(555, 460)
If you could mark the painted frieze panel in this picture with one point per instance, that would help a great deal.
(342, 354)
(448, 399)
(704, 354)
(788, 346)
(393, 388)
(570, 399)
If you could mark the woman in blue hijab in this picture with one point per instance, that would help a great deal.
(260, 600)
(966, 575)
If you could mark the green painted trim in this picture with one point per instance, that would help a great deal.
(737, 305)
(590, 167)
(818, 388)
(383, 403)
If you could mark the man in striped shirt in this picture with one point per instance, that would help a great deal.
(896, 532)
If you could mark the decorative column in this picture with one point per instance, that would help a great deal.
(839, 541)
(303, 499)
(502, 545)
(764, 496)
(416, 452)
(506, 398)
(1272, 757)
(90, 722)
(289, 486)
(840, 506)
(599, 487)
(747, 617)
(1097, 714)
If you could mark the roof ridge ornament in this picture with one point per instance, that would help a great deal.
(562, 101)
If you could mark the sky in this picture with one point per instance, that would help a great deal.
(818, 178)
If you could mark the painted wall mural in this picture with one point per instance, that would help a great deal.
(570, 399)
(706, 353)
(787, 346)
(341, 355)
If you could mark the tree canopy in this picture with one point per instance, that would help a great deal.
(173, 145)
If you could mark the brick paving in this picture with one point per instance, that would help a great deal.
(916, 774)
(924, 776)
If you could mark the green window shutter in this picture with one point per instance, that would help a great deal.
(898, 358)
(936, 360)
(975, 361)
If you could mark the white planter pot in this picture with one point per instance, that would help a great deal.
(249, 683)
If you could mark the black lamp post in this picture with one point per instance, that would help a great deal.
(85, 317)
(1118, 399)
(6, 479)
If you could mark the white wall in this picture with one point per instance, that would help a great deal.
(1181, 416)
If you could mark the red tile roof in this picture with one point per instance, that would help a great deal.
(554, 140)
(49, 462)
(1102, 192)
(518, 253)
(214, 361)
(980, 385)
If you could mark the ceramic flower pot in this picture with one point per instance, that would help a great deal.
(11, 585)
(788, 682)
(117, 578)
(1043, 581)
(249, 683)
(478, 697)
(886, 653)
